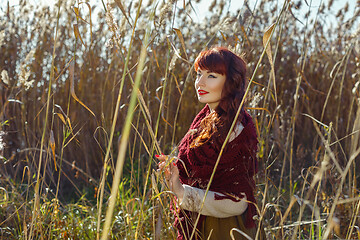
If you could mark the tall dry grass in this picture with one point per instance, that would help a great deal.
(70, 113)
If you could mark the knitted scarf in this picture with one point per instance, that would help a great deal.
(234, 174)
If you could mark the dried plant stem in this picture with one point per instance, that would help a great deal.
(168, 112)
(178, 106)
(338, 65)
(316, 179)
(339, 190)
(125, 135)
(341, 86)
(294, 112)
(267, 129)
(154, 142)
(36, 208)
(292, 130)
(132, 155)
(354, 216)
(106, 159)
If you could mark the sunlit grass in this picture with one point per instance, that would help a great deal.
(86, 103)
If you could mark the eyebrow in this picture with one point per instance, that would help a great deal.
(207, 71)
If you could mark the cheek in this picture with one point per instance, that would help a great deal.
(217, 87)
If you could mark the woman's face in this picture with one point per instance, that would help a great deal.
(209, 87)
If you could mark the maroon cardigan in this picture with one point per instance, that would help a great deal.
(233, 176)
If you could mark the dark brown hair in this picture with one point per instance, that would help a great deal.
(223, 61)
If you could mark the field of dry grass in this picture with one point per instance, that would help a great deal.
(90, 93)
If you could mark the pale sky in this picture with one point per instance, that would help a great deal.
(201, 8)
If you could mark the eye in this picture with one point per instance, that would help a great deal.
(198, 74)
(212, 76)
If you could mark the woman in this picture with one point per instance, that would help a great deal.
(230, 202)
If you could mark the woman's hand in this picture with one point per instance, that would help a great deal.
(171, 173)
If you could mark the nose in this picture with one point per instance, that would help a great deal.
(200, 80)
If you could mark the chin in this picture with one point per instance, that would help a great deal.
(202, 100)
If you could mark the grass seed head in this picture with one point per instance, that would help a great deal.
(113, 27)
(29, 56)
(255, 100)
(2, 37)
(23, 78)
(29, 84)
(4, 77)
(173, 61)
(164, 11)
(23, 75)
(110, 19)
(2, 143)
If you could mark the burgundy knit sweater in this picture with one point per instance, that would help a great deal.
(233, 176)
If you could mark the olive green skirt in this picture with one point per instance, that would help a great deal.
(220, 229)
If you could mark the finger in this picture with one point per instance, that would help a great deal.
(175, 170)
(161, 165)
(167, 174)
(161, 157)
(173, 165)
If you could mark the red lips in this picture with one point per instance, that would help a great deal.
(202, 92)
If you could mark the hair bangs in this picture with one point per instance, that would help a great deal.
(211, 60)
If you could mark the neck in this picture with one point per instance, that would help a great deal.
(212, 106)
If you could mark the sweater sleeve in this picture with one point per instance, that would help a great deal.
(224, 208)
